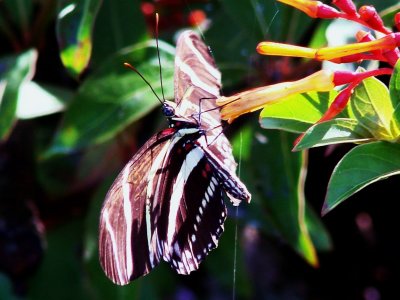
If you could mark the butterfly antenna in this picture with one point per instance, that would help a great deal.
(159, 60)
(128, 65)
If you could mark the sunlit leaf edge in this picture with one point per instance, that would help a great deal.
(331, 201)
(355, 134)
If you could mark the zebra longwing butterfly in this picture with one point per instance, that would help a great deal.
(167, 202)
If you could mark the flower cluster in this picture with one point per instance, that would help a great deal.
(383, 49)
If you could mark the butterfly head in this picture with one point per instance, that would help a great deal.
(168, 109)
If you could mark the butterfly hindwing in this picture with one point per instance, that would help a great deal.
(197, 212)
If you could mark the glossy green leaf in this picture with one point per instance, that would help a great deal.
(333, 132)
(296, 113)
(379, 5)
(119, 24)
(275, 177)
(36, 100)
(74, 28)
(251, 16)
(388, 13)
(319, 38)
(232, 56)
(113, 97)
(394, 89)
(360, 167)
(14, 70)
(373, 108)
(250, 22)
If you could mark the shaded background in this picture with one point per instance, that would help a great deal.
(56, 164)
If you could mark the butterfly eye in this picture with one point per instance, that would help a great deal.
(168, 111)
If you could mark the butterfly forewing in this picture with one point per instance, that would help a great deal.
(196, 77)
(123, 228)
(197, 86)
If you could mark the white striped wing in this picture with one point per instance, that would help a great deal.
(197, 86)
(167, 202)
(124, 235)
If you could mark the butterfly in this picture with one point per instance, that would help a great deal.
(167, 203)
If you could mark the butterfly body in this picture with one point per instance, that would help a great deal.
(167, 202)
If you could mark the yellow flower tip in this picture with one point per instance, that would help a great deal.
(254, 99)
(271, 48)
(307, 6)
(328, 53)
(361, 35)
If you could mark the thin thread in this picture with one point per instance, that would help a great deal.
(236, 225)
(235, 255)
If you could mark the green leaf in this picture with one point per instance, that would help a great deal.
(388, 14)
(14, 70)
(253, 15)
(360, 167)
(230, 55)
(249, 23)
(36, 100)
(274, 176)
(333, 132)
(296, 113)
(113, 97)
(319, 38)
(119, 24)
(394, 89)
(74, 28)
(373, 108)
(379, 5)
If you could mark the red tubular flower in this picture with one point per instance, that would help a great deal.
(323, 80)
(327, 12)
(345, 77)
(346, 6)
(371, 17)
(364, 36)
(339, 103)
(367, 47)
(397, 20)
(314, 9)
(388, 55)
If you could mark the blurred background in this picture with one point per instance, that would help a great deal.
(71, 116)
